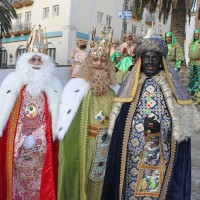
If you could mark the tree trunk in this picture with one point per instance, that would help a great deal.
(178, 22)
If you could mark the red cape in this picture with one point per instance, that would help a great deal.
(48, 188)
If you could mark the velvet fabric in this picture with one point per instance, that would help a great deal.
(178, 184)
(69, 168)
(112, 176)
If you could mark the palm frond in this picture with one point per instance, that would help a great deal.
(7, 13)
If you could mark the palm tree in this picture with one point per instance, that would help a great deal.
(178, 8)
(7, 13)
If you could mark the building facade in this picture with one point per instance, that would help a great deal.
(65, 21)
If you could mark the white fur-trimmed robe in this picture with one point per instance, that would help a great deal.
(71, 98)
(10, 89)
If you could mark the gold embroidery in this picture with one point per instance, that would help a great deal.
(142, 167)
(127, 130)
(168, 173)
(83, 141)
(134, 87)
(12, 126)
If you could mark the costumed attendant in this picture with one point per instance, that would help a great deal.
(83, 120)
(150, 127)
(115, 46)
(175, 53)
(123, 66)
(29, 100)
(78, 57)
(194, 63)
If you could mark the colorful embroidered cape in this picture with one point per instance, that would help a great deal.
(121, 176)
(49, 172)
(75, 168)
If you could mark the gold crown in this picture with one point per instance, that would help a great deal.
(37, 42)
(104, 43)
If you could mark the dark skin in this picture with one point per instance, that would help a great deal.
(151, 62)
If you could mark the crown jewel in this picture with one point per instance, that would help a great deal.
(37, 42)
(154, 32)
(104, 43)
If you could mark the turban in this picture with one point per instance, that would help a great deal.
(151, 44)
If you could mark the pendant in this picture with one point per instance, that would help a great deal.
(31, 110)
(101, 117)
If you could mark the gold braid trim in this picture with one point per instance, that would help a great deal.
(127, 131)
(167, 177)
(134, 87)
(83, 141)
(179, 101)
(12, 126)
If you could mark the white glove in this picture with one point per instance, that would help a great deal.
(29, 142)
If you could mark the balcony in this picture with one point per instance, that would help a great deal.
(20, 29)
(17, 4)
(27, 2)
(20, 3)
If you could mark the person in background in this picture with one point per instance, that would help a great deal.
(82, 126)
(175, 53)
(29, 101)
(194, 63)
(122, 66)
(114, 47)
(78, 57)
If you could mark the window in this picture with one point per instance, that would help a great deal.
(27, 23)
(108, 20)
(45, 13)
(18, 25)
(19, 18)
(55, 11)
(99, 17)
(134, 29)
(51, 51)
(3, 58)
(27, 16)
(20, 51)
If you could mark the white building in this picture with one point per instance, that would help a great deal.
(66, 21)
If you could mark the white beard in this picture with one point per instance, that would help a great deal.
(36, 81)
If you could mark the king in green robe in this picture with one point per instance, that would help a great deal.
(83, 120)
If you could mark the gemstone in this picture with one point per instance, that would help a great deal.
(148, 112)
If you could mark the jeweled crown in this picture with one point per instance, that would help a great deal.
(37, 42)
(103, 46)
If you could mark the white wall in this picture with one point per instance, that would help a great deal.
(189, 32)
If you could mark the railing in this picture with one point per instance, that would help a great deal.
(20, 28)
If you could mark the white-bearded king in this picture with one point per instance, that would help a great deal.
(29, 100)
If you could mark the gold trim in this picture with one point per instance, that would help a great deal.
(179, 101)
(13, 120)
(128, 127)
(168, 173)
(135, 86)
(161, 168)
(83, 141)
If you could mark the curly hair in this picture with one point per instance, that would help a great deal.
(98, 79)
